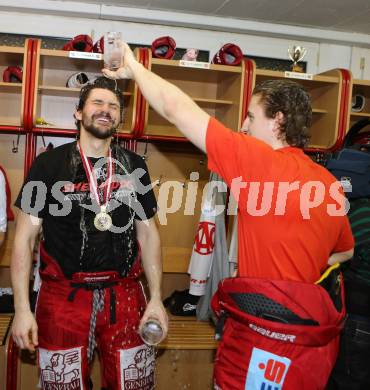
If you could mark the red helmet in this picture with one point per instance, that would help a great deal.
(164, 47)
(79, 43)
(13, 74)
(229, 54)
(99, 46)
(363, 139)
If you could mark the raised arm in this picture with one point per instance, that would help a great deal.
(168, 100)
(24, 328)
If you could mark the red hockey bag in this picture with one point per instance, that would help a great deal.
(277, 334)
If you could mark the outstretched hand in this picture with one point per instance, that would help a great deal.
(124, 72)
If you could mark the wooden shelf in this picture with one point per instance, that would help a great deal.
(361, 114)
(51, 89)
(213, 101)
(11, 88)
(54, 101)
(359, 87)
(12, 49)
(65, 54)
(319, 111)
(218, 90)
(275, 74)
(313, 146)
(10, 85)
(209, 102)
(176, 63)
(54, 125)
(6, 121)
(365, 83)
(54, 53)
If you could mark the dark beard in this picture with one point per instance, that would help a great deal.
(95, 131)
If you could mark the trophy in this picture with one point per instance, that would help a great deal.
(296, 54)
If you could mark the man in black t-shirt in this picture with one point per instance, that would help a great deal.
(96, 206)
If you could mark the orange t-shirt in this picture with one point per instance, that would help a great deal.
(288, 206)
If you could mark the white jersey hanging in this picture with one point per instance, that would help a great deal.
(201, 258)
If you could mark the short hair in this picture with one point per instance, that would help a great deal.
(103, 83)
(293, 101)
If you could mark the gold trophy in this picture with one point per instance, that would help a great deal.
(296, 54)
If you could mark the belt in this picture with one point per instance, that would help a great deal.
(97, 283)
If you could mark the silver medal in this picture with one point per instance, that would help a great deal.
(102, 220)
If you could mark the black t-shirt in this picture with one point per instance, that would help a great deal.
(57, 190)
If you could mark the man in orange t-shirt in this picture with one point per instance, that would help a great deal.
(304, 227)
(292, 212)
(287, 204)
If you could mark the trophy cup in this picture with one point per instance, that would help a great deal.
(296, 54)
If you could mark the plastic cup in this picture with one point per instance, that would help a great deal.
(112, 50)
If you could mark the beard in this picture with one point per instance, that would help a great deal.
(100, 132)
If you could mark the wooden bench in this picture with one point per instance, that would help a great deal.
(8, 354)
(188, 333)
(5, 322)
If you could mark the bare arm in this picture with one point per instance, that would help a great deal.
(148, 237)
(168, 100)
(340, 257)
(24, 323)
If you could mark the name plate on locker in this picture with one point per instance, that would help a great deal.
(195, 64)
(86, 56)
(298, 75)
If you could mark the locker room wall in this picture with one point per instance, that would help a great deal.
(351, 51)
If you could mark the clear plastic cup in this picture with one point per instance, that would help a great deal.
(112, 50)
(151, 332)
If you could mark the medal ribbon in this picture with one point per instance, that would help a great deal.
(93, 183)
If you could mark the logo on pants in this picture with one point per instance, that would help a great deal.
(61, 370)
(266, 371)
(137, 368)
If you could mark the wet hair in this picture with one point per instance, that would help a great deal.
(103, 83)
(293, 101)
